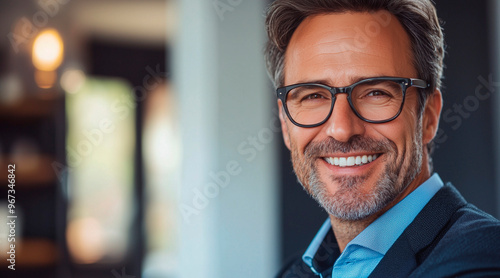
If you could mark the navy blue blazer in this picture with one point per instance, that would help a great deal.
(448, 238)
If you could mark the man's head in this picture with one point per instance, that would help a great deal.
(335, 44)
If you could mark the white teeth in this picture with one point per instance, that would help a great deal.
(329, 160)
(351, 160)
(364, 159)
(342, 162)
(358, 160)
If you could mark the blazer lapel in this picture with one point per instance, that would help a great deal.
(419, 238)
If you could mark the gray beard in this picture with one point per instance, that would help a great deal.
(348, 202)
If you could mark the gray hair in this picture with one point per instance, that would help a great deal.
(418, 17)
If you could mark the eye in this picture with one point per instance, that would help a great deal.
(308, 95)
(378, 93)
(314, 96)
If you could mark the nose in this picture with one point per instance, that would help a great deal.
(343, 123)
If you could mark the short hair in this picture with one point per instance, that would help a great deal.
(418, 18)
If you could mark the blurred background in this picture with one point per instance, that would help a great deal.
(146, 143)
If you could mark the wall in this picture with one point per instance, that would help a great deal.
(228, 194)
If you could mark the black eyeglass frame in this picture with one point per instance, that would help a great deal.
(405, 83)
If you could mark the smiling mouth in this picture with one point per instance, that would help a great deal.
(351, 161)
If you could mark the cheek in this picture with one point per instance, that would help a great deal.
(401, 131)
(301, 137)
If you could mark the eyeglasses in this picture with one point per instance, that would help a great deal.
(374, 100)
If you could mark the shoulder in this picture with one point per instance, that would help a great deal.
(473, 230)
(468, 247)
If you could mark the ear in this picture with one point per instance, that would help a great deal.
(432, 112)
(284, 128)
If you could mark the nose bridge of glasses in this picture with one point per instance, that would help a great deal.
(341, 105)
(340, 90)
(342, 122)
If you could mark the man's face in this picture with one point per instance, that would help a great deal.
(337, 50)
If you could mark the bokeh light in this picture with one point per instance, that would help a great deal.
(48, 50)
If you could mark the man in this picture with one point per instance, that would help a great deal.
(359, 99)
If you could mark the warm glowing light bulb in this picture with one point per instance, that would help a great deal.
(48, 50)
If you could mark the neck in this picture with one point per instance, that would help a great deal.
(345, 230)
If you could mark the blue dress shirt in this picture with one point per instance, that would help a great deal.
(365, 251)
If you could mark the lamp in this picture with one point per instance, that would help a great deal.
(48, 49)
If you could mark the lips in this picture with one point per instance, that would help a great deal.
(350, 161)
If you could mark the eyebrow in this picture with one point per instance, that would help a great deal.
(352, 80)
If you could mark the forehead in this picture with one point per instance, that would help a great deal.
(340, 47)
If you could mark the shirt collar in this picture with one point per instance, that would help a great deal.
(405, 211)
(323, 250)
(308, 256)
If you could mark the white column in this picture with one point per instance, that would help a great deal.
(228, 201)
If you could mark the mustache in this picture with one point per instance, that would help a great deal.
(356, 143)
